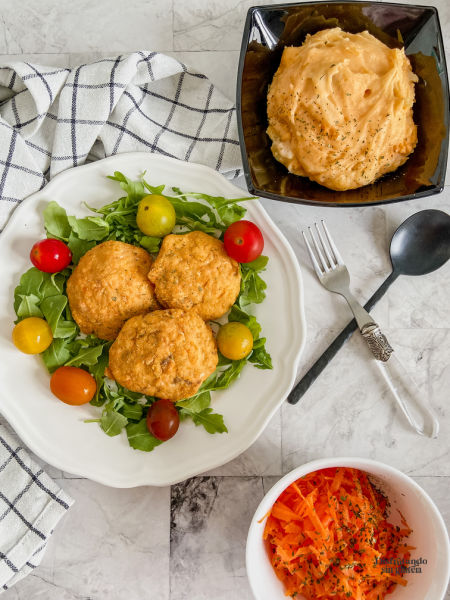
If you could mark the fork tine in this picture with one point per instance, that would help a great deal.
(316, 266)
(331, 260)
(321, 259)
(338, 257)
(325, 267)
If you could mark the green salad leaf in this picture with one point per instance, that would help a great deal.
(112, 422)
(44, 295)
(212, 422)
(252, 285)
(140, 438)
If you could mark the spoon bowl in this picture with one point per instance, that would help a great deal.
(421, 244)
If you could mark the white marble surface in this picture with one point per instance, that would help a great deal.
(187, 543)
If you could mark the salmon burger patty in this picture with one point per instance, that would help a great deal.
(165, 353)
(193, 271)
(108, 286)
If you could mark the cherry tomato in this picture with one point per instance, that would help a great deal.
(155, 215)
(243, 241)
(163, 419)
(235, 340)
(50, 255)
(73, 385)
(32, 335)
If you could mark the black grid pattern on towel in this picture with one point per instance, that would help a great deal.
(177, 128)
(11, 507)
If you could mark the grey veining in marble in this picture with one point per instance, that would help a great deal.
(209, 523)
(188, 542)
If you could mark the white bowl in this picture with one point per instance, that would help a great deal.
(429, 534)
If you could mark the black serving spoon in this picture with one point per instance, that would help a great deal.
(419, 246)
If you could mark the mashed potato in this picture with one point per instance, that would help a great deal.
(340, 109)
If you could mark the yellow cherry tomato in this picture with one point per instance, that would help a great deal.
(235, 340)
(32, 335)
(155, 216)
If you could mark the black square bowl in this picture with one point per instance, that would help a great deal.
(268, 29)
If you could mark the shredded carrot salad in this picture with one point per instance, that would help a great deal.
(329, 538)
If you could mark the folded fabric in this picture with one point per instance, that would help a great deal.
(52, 118)
(31, 504)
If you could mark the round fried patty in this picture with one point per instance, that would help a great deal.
(193, 271)
(108, 286)
(165, 353)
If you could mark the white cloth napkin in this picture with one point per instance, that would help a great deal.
(52, 119)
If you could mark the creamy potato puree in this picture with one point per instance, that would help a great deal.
(340, 109)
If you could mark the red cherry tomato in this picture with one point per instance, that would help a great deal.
(73, 385)
(50, 255)
(243, 241)
(163, 419)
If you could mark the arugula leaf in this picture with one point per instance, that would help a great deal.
(259, 264)
(56, 222)
(112, 422)
(228, 209)
(134, 189)
(87, 356)
(259, 356)
(52, 308)
(31, 281)
(196, 403)
(212, 422)
(90, 228)
(151, 244)
(98, 372)
(56, 355)
(227, 376)
(140, 438)
(53, 284)
(153, 190)
(252, 285)
(65, 329)
(132, 397)
(195, 216)
(28, 306)
(132, 412)
(78, 247)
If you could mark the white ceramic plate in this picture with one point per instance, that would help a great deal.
(55, 431)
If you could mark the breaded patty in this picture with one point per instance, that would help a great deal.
(193, 271)
(108, 286)
(165, 353)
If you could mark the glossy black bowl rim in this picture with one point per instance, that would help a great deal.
(436, 189)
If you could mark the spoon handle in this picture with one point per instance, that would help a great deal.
(309, 378)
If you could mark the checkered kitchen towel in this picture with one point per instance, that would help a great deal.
(52, 119)
(31, 504)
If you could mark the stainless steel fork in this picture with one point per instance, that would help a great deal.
(334, 276)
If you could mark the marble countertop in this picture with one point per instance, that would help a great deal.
(187, 542)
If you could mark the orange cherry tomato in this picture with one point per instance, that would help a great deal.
(73, 385)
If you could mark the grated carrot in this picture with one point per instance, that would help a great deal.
(329, 538)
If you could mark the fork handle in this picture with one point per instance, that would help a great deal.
(419, 414)
(309, 378)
